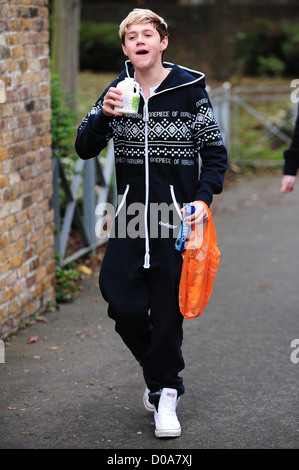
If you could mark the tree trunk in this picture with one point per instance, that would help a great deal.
(65, 44)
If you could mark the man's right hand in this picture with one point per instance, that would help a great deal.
(287, 183)
(112, 98)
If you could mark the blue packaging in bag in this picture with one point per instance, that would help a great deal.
(185, 230)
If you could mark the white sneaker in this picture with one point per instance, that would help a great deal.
(166, 420)
(147, 405)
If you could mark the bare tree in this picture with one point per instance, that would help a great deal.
(65, 43)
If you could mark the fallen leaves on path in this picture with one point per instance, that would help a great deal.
(33, 339)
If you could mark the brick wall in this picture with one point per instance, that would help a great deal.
(27, 265)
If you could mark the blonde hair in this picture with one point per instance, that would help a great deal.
(141, 15)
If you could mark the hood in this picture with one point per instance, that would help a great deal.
(178, 77)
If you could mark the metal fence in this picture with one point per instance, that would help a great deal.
(93, 180)
(248, 99)
(228, 103)
(221, 101)
(91, 185)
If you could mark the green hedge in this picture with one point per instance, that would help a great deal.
(268, 48)
(100, 47)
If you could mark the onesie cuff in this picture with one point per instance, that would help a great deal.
(205, 196)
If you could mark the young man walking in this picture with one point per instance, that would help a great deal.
(171, 153)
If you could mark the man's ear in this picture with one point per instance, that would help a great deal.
(164, 43)
(124, 49)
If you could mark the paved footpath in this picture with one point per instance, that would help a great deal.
(78, 387)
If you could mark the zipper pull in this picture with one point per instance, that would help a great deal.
(145, 112)
(146, 260)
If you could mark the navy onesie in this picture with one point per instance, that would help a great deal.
(168, 155)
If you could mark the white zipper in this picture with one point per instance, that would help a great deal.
(146, 264)
(123, 200)
(175, 201)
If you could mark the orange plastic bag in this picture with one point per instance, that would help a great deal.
(200, 265)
